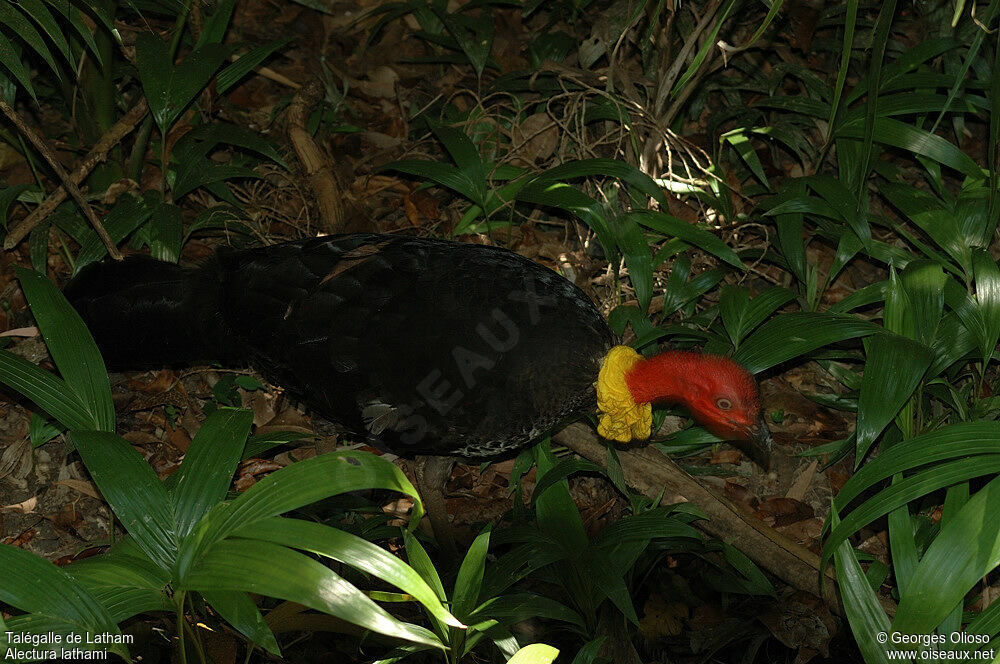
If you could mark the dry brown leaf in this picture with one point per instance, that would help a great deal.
(661, 618)
(801, 484)
(249, 470)
(67, 517)
(412, 214)
(381, 83)
(179, 438)
(785, 511)
(535, 139)
(24, 507)
(801, 621)
(725, 456)
(82, 486)
(21, 332)
(17, 460)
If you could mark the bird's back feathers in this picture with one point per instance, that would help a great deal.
(426, 346)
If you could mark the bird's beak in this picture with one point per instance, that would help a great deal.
(760, 444)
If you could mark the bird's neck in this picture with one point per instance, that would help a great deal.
(667, 377)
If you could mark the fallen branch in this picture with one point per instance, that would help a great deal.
(321, 178)
(650, 472)
(67, 182)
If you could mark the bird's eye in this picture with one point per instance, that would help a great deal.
(724, 404)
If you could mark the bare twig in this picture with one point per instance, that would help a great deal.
(96, 155)
(50, 156)
(270, 74)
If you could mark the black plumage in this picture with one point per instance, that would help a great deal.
(423, 346)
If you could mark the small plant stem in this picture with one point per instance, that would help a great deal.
(175, 43)
(179, 602)
(67, 254)
(196, 640)
(138, 157)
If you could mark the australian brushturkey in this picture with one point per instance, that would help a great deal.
(423, 346)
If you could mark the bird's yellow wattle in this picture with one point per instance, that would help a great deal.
(621, 418)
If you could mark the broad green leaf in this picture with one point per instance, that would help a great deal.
(924, 282)
(126, 585)
(469, 581)
(565, 197)
(33, 584)
(517, 607)
(41, 15)
(518, 563)
(561, 471)
(953, 342)
(988, 300)
(240, 611)
(741, 315)
(536, 653)
(257, 445)
(127, 215)
(421, 563)
(847, 48)
(49, 392)
(276, 571)
(790, 335)
(125, 603)
(755, 582)
(209, 465)
(22, 27)
(556, 512)
(965, 551)
(72, 348)
(166, 232)
(893, 370)
(474, 35)
(295, 486)
(899, 134)
(674, 227)
(638, 258)
(170, 87)
(741, 143)
(614, 168)
(197, 144)
(864, 612)
(133, 491)
(842, 202)
(465, 155)
(247, 62)
(950, 442)
(84, 25)
(588, 653)
(10, 58)
(653, 524)
(350, 550)
(8, 196)
(213, 30)
(938, 221)
(445, 175)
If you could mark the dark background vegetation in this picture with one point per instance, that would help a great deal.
(810, 187)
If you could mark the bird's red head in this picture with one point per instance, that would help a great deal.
(720, 394)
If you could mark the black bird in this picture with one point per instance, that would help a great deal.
(423, 346)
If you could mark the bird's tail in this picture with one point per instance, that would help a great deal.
(147, 313)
